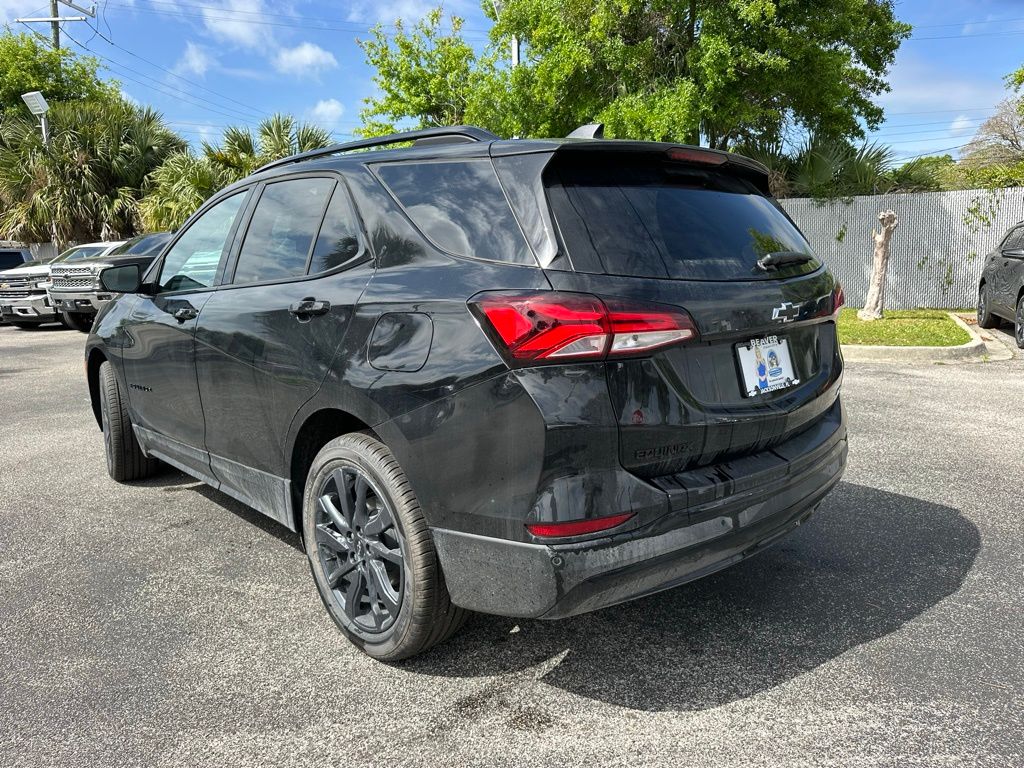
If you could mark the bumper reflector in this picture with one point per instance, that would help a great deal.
(577, 527)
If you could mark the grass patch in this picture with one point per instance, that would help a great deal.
(902, 328)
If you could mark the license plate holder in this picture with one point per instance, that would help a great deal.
(765, 366)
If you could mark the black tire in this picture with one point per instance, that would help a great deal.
(406, 602)
(1018, 322)
(125, 459)
(79, 321)
(985, 317)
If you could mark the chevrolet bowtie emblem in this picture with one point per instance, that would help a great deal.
(786, 312)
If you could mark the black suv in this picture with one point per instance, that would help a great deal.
(1001, 288)
(531, 377)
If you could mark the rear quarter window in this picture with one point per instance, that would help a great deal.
(459, 206)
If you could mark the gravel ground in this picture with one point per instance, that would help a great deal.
(164, 624)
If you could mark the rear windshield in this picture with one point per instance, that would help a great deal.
(143, 244)
(654, 218)
(80, 252)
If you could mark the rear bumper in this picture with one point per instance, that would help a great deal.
(710, 527)
(35, 308)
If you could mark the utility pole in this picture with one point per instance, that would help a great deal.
(514, 41)
(55, 24)
(55, 19)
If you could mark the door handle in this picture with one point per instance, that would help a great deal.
(186, 313)
(309, 307)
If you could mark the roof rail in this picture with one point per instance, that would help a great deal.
(432, 136)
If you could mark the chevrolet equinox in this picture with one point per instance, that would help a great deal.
(530, 378)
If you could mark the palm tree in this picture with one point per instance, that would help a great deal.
(85, 184)
(186, 179)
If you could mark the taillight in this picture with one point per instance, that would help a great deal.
(693, 155)
(578, 527)
(838, 298)
(558, 327)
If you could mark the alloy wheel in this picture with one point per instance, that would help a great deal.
(981, 305)
(1019, 325)
(360, 549)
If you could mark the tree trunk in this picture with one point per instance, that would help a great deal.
(874, 304)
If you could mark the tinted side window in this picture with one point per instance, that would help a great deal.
(459, 206)
(1015, 239)
(191, 262)
(282, 229)
(338, 241)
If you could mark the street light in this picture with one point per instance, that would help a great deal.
(37, 106)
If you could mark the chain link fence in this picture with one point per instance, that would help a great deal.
(937, 251)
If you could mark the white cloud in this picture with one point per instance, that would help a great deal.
(12, 9)
(327, 112)
(388, 11)
(962, 126)
(304, 59)
(195, 60)
(237, 21)
(919, 84)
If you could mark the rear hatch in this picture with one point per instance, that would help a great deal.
(686, 229)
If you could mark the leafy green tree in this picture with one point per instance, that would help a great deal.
(924, 174)
(86, 183)
(26, 65)
(428, 75)
(718, 73)
(179, 186)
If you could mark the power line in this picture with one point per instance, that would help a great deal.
(248, 107)
(301, 22)
(939, 111)
(947, 129)
(156, 85)
(966, 23)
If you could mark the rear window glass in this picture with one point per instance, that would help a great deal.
(459, 206)
(666, 220)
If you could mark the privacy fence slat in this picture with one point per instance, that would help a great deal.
(937, 251)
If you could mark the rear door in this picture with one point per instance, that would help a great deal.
(266, 338)
(1006, 272)
(159, 351)
(689, 234)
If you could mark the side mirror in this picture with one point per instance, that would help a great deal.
(1014, 253)
(126, 279)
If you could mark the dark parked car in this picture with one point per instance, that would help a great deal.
(1001, 290)
(530, 378)
(74, 289)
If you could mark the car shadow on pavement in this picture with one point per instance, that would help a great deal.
(171, 480)
(869, 562)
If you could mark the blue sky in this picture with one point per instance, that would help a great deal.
(210, 63)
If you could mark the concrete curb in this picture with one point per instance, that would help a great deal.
(974, 351)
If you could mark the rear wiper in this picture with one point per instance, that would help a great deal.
(781, 258)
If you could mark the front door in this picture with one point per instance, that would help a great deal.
(266, 338)
(159, 352)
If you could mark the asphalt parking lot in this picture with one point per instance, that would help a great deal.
(164, 624)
